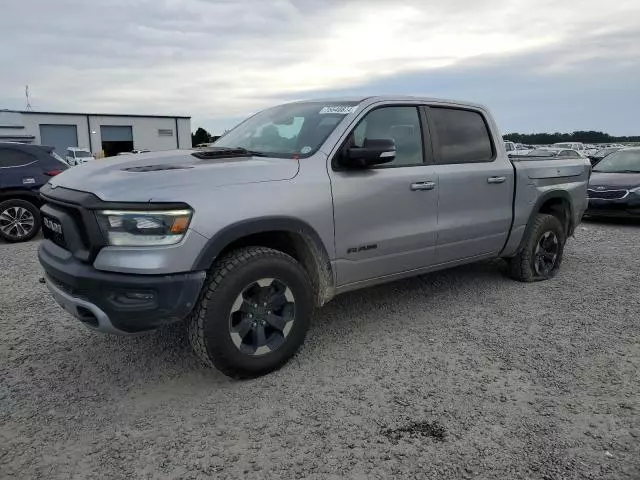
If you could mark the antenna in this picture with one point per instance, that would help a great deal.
(26, 94)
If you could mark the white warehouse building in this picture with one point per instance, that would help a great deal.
(107, 134)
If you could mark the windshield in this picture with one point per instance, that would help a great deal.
(622, 161)
(82, 154)
(288, 131)
(563, 145)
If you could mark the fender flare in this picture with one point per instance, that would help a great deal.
(16, 193)
(235, 231)
(552, 195)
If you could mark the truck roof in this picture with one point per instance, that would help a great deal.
(391, 98)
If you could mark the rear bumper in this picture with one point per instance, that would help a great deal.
(115, 302)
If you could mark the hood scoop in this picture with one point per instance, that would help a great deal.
(156, 168)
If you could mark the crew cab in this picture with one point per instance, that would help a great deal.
(297, 204)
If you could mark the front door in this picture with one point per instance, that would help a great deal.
(475, 186)
(386, 217)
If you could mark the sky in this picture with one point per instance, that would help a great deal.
(539, 65)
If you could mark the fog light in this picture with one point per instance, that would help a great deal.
(134, 299)
(140, 295)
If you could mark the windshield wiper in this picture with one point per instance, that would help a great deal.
(211, 152)
(254, 153)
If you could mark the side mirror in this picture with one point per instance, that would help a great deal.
(374, 151)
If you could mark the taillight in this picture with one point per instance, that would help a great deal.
(53, 173)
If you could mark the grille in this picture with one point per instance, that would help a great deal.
(78, 223)
(607, 194)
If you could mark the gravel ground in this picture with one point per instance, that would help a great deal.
(460, 374)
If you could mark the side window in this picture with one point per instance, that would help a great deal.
(462, 136)
(402, 124)
(14, 158)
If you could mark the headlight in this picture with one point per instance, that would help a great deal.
(143, 228)
(635, 190)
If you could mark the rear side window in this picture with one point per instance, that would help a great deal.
(462, 136)
(14, 158)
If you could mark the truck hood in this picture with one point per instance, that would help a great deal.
(155, 176)
(617, 180)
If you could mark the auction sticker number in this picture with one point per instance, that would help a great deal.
(339, 109)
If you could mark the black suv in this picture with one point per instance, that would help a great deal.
(23, 170)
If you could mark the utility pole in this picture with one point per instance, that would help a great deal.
(26, 94)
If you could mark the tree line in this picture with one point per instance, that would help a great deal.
(202, 136)
(579, 136)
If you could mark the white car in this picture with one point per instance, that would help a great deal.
(555, 152)
(578, 146)
(515, 148)
(78, 156)
(510, 147)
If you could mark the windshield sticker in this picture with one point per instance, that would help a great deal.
(339, 109)
(305, 150)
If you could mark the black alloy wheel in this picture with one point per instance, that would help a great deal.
(262, 316)
(546, 253)
(253, 313)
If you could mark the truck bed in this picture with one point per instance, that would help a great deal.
(535, 177)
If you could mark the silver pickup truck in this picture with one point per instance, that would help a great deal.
(298, 203)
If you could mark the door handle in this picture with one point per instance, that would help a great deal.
(423, 186)
(496, 179)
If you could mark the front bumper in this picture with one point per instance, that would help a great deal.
(624, 208)
(116, 302)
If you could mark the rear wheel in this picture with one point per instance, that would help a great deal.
(19, 220)
(541, 256)
(253, 314)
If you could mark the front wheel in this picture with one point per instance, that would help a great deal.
(253, 314)
(541, 256)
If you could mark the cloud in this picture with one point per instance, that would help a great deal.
(220, 60)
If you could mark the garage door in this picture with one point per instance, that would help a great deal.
(116, 133)
(59, 137)
(116, 139)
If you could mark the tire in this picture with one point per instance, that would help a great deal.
(218, 332)
(28, 217)
(523, 266)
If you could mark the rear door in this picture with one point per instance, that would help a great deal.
(18, 170)
(475, 185)
(385, 217)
